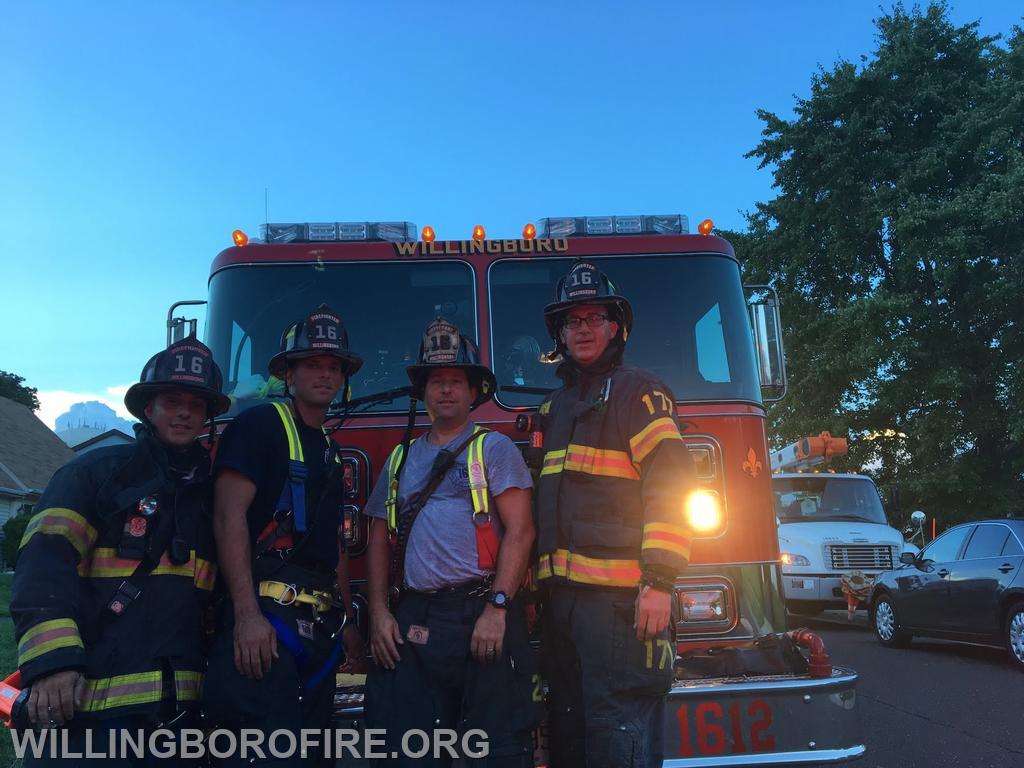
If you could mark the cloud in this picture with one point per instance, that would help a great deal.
(54, 402)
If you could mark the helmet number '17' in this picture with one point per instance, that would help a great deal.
(197, 364)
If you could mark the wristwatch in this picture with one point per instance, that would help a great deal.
(498, 599)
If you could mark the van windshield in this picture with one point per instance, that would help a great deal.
(824, 498)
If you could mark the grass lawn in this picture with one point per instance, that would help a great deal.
(5, 593)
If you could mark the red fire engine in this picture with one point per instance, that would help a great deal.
(718, 347)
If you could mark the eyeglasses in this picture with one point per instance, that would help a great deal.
(592, 321)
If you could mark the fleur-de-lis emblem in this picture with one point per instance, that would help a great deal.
(752, 466)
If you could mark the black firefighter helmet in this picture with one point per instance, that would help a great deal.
(586, 284)
(321, 333)
(185, 365)
(444, 347)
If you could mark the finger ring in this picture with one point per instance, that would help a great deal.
(490, 651)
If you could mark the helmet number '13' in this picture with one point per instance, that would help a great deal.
(440, 342)
(197, 364)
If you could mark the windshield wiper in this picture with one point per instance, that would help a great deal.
(361, 404)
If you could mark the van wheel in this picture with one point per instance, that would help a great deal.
(1015, 634)
(887, 625)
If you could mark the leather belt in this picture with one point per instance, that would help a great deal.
(289, 594)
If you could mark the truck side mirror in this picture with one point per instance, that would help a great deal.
(766, 332)
(180, 327)
(907, 558)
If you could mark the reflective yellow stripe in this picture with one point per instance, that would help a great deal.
(206, 574)
(121, 691)
(589, 570)
(391, 478)
(647, 439)
(105, 564)
(673, 538)
(597, 461)
(188, 685)
(57, 521)
(48, 636)
(590, 461)
(291, 431)
(553, 461)
(477, 475)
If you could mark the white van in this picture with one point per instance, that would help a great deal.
(830, 524)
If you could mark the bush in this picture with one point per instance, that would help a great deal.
(14, 529)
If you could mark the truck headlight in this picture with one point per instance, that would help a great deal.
(788, 558)
(704, 511)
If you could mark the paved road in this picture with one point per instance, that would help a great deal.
(933, 705)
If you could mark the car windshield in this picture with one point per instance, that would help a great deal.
(384, 307)
(823, 498)
(691, 327)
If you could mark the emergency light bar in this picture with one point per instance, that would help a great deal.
(390, 231)
(668, 224)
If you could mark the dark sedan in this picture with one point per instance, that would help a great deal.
(967, 585)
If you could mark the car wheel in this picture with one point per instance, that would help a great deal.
(1015, 634)
(887, 625)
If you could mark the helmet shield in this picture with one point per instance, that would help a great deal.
(186, 365)
(321, 333)
(443, 346)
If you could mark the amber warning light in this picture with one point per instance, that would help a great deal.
(529, 232)
(478, 233)
(705, 227)
(428, 235)
(240, 238)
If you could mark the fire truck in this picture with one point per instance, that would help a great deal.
(834, 536)
(715, 344)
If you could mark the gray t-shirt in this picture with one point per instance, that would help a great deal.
(442, 548)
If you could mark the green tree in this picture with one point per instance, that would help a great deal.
(897, 244)
(12, 388)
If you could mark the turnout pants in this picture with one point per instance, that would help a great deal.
(286, 698)
(438, 685)
(607, 689)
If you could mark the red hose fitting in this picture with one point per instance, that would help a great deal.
(819, 665)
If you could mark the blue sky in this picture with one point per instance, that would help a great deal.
(136, 136)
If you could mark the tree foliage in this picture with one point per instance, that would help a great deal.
(12, 388)
(895, 241)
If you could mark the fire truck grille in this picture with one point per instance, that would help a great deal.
(866, 557)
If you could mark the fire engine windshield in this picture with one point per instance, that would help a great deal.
(384, 306)
(823, 498)
(690, 324)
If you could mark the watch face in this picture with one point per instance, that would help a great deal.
(499, 599)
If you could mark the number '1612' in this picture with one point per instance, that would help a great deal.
(707, 733)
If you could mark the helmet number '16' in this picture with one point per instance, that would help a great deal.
(329, 332)
(582, 278)
(197, 364)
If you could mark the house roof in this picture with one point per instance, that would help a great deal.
(30, 452)
(103, 436)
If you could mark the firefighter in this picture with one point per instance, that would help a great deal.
(611, 536)
(453, 653)
(278, 494)
(116, 566)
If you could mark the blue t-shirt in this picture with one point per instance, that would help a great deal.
(442, 548)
